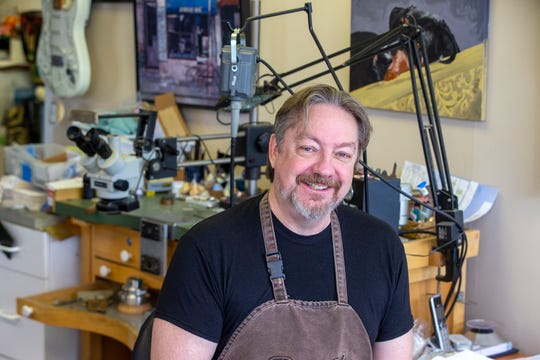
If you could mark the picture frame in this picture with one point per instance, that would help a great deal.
(459, 80)
(178, 45)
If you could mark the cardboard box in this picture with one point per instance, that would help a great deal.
(30, 199)
(63, 190)
(170, 117)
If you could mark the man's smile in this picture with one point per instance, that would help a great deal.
(317, 182)
(317, 186)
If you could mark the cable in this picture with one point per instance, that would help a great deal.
(449, 306)
(206, 151)
(453, 294)
(278, 77)
(146, 161)
(221, 122)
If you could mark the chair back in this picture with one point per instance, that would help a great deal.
(141, 349)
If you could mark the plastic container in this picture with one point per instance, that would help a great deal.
(26, 162)
(482, 332)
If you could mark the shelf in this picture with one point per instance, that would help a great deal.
(112, 323)
(11, 65)
(423, 266)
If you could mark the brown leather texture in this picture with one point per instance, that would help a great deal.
(298, 330)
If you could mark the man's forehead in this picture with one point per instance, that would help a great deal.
(303, 133)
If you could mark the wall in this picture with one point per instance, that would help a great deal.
(502, 151)
(505, 153)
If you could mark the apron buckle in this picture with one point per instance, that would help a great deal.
(274, 265)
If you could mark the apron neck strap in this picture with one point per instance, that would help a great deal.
(339, 260)
(274, 263)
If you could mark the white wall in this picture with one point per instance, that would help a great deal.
(503, 151)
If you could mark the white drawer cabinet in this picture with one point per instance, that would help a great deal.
(41, 264)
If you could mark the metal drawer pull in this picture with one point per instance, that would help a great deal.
(9, 316)
(10, 249)
(27, 311)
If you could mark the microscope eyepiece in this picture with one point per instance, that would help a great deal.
(76, 135)
(99, 145)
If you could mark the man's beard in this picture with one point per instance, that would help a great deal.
(311, 211)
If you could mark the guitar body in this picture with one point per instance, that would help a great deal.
(62, 56)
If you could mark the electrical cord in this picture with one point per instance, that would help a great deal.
(221, 122)
(449, 304)
(146, 161)
(277, 76)
(455, 286)
(206, 151)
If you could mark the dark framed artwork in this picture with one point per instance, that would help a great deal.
(455, 33)
(178, 47)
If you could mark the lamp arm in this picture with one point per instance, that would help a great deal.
(408, 35)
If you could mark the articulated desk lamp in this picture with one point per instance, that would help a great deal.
(239, 75)
(451, 238)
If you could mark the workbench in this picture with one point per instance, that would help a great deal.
(107, 238)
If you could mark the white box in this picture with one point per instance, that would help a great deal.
(25, 161)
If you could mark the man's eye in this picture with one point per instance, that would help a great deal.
(306, 148)
(344, 155)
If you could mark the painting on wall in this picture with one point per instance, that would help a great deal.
(178, 47)
(455, 36)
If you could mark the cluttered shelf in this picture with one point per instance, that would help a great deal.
(65, 308)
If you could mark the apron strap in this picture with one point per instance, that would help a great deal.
(339, 260)
(274, 264)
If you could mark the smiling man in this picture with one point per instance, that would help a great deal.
(292, 274)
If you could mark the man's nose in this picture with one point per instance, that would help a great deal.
(324, 164)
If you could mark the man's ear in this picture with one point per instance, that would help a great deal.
(272, 149)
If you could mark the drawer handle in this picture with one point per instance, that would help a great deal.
(104, 271)
(10, 249)
(9, 316)
(27, 311)
(125, 255)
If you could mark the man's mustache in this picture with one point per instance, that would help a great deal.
(318, 180)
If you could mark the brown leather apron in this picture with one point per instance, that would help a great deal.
(285, 329)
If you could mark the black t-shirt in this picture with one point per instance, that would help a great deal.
(218, 273)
